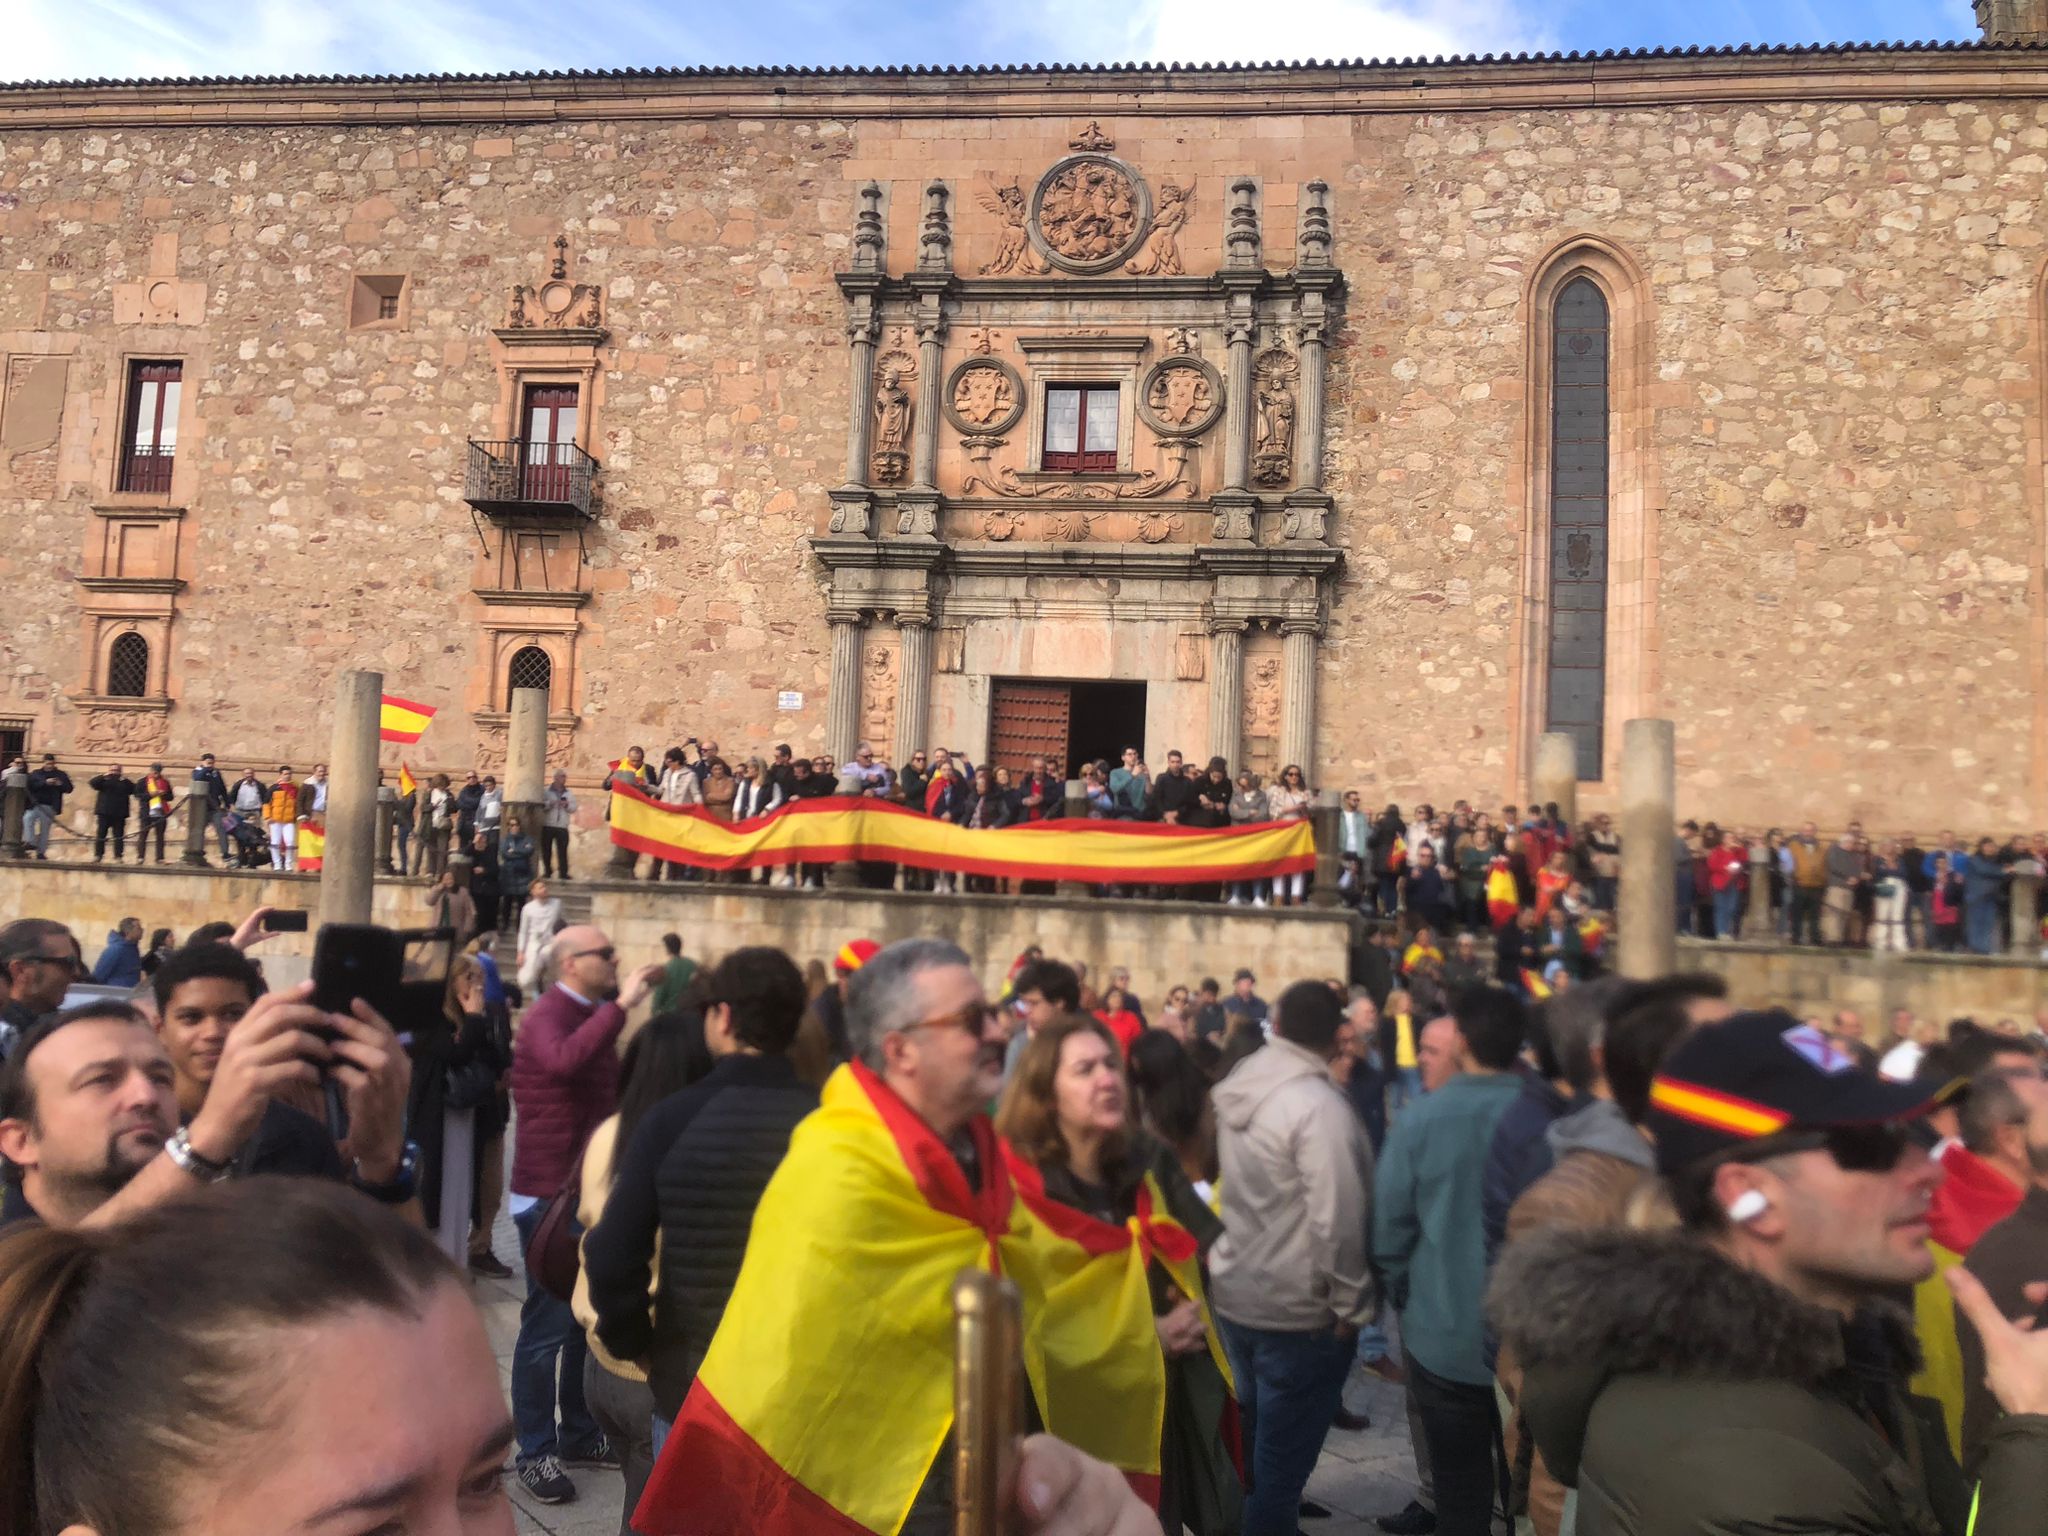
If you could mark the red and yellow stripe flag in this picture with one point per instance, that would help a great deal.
(312, 846)
(827, 830)
(402, 720)
(406, 782)
(1091, 1348)
(827, 1392)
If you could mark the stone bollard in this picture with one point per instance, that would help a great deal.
(1556, 780)
(1647, 941)
(1074, 808)
(1326, 817)
(526, 761)
(348, 865)
(1756, 917)
(387, 815)
(14, 801)
(198, 807)
(2026, 909)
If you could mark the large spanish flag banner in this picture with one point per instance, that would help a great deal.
(836, 827)
(402, 720)
(1091, 1348)
(827, 1392)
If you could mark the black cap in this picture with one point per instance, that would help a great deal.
(1755, 1075)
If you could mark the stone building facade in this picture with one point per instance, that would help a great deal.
(1377, 418)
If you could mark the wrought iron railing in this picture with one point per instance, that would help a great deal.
(518, 477)
(146, 470)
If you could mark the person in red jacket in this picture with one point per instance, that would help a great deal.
(565, 1081)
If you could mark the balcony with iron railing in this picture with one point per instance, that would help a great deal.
(530, 479)
(146, 469)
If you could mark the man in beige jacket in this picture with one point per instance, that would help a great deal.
(1289, 1280)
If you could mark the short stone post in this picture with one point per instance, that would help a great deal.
(1557, 775)
(1074, 809)
(1326, 816)
(14, 799)
(526, 760)
(387, 815)
(2026, 908)
(348, 865)
(1648, 933)
(1756, 917)
(198, 813)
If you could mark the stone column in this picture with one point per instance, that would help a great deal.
(526, 760)
(349, 863)
(2026, 909)
(1756, 917)
(14, 801)
(1327, 817)
(1074, 809)
(196, 807)
(860, 331)
(1226, 691)
(1557, 774)
(1648, 934)
(1298, 696)
(924, 460)
(842, 693)
(914, 688)
(852, 506)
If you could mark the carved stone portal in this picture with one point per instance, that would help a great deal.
(1182, 396)
(984, 397)
(1089, 212)
(1273, 377)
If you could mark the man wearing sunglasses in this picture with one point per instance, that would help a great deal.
(39, 960)
(565, 1081)
(1750, 1373)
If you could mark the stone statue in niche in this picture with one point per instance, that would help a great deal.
(1160, 256)
(1089, 212)
(1006, 200)
(893, 410)
(1273, 431)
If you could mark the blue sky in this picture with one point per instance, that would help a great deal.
(72, 39)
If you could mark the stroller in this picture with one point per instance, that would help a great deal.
(252, 847)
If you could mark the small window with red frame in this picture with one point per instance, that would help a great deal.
(1080, 428)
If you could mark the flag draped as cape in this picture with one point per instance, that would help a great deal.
(827, 1393)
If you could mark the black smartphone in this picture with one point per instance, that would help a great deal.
(403, 974)
(284, 920)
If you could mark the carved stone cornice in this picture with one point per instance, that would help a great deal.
(553, 336)
(513, 597)
(162, 586)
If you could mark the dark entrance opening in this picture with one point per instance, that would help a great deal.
(1103, 719)
(1075, 723)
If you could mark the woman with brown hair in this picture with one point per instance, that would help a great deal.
(1130, 1372)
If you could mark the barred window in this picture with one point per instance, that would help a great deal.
(530, 668)
(1577, 690)
(128, 667)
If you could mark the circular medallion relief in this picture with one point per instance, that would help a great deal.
(1181, 397)
(983, 397)
(1089, 212)
(556, 297)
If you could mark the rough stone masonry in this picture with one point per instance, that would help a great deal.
(824, 334)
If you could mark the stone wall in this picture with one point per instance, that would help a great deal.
(1163, 943)
(1816, 981)
(1827, 561)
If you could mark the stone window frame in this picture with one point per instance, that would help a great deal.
(505, 641)
(1112, 361)
(517, 375)
(154, 630)
(111, 432)
(367, 290)
(1634, 493)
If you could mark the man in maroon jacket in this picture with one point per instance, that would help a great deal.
(565, 1080)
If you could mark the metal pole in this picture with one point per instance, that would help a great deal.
(349, 862)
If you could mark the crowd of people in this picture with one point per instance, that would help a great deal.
(1460, 869)
(1641, 1262)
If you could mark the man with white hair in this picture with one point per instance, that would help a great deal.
(565, 1081)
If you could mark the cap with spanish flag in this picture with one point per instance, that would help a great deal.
(854, 954)
(403, 721)
(1754, 1075)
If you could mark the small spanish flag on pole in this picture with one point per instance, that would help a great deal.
(406, 782)
(402, 720)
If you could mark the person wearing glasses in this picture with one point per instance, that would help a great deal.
(1749, 1372)
(39, 959)
(565, 1083)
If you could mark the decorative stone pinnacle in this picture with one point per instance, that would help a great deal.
(867, 230)
(561, 269)
(1092, 137)
(935, 243)
(1241, 239)
(1315, 226)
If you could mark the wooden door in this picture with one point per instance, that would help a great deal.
(1027, 720)
(550, 442)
